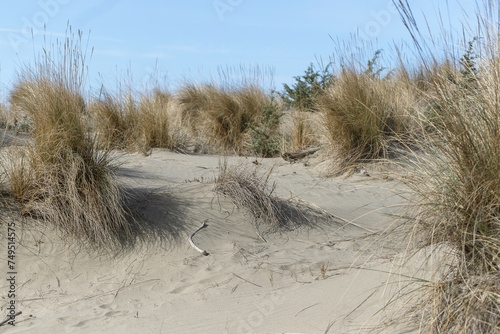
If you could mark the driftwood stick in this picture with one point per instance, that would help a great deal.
(204, 252)
(290, 156)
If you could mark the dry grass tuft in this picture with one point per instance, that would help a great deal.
(362, 114)
(457, 189)
(223, 116)
(252, 190)
(61, 176)
(457, 186)
(114, 117)
(153, 124)
(300, 131)
(136, 124)
(18, 173)
(461, 305)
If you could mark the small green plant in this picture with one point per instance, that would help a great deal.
(303, 93)
(468, 61)
(265, 139)
(3, 117)
(373, 69)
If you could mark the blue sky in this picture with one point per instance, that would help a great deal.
(191, 38)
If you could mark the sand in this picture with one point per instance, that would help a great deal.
(329, 275)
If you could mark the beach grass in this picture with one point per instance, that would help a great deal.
(455, 180)
(134, 122)
(224, 116)
(444, 113)
(251, 189)
(303, 132)
(362, 115)
(61, 176)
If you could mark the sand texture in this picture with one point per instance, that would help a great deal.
(331, 272)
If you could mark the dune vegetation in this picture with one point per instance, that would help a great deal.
(438, 122)
(455, 178)
(131, 122)
(240, 119)
(60, 175)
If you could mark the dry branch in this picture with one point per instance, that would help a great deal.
(292, 156)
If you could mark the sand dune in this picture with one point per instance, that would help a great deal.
(331, 272)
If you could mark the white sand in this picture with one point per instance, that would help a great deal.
(245, 285)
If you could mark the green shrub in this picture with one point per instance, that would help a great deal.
(265, 138)
(468, 62)
(303, 93)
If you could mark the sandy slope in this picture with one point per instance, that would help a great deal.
(297, 282)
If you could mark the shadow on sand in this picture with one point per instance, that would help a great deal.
(157, 219)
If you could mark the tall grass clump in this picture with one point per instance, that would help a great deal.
(114, 118)
(457, 185)
(135, 122)
(224, 114)
(61, 177)
(154, 124)
(299, 130)
(362, 113)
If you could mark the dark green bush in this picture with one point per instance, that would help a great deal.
(265, 140)
(302, 95)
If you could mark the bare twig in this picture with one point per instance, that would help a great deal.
(247, 280)
(203, 225)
